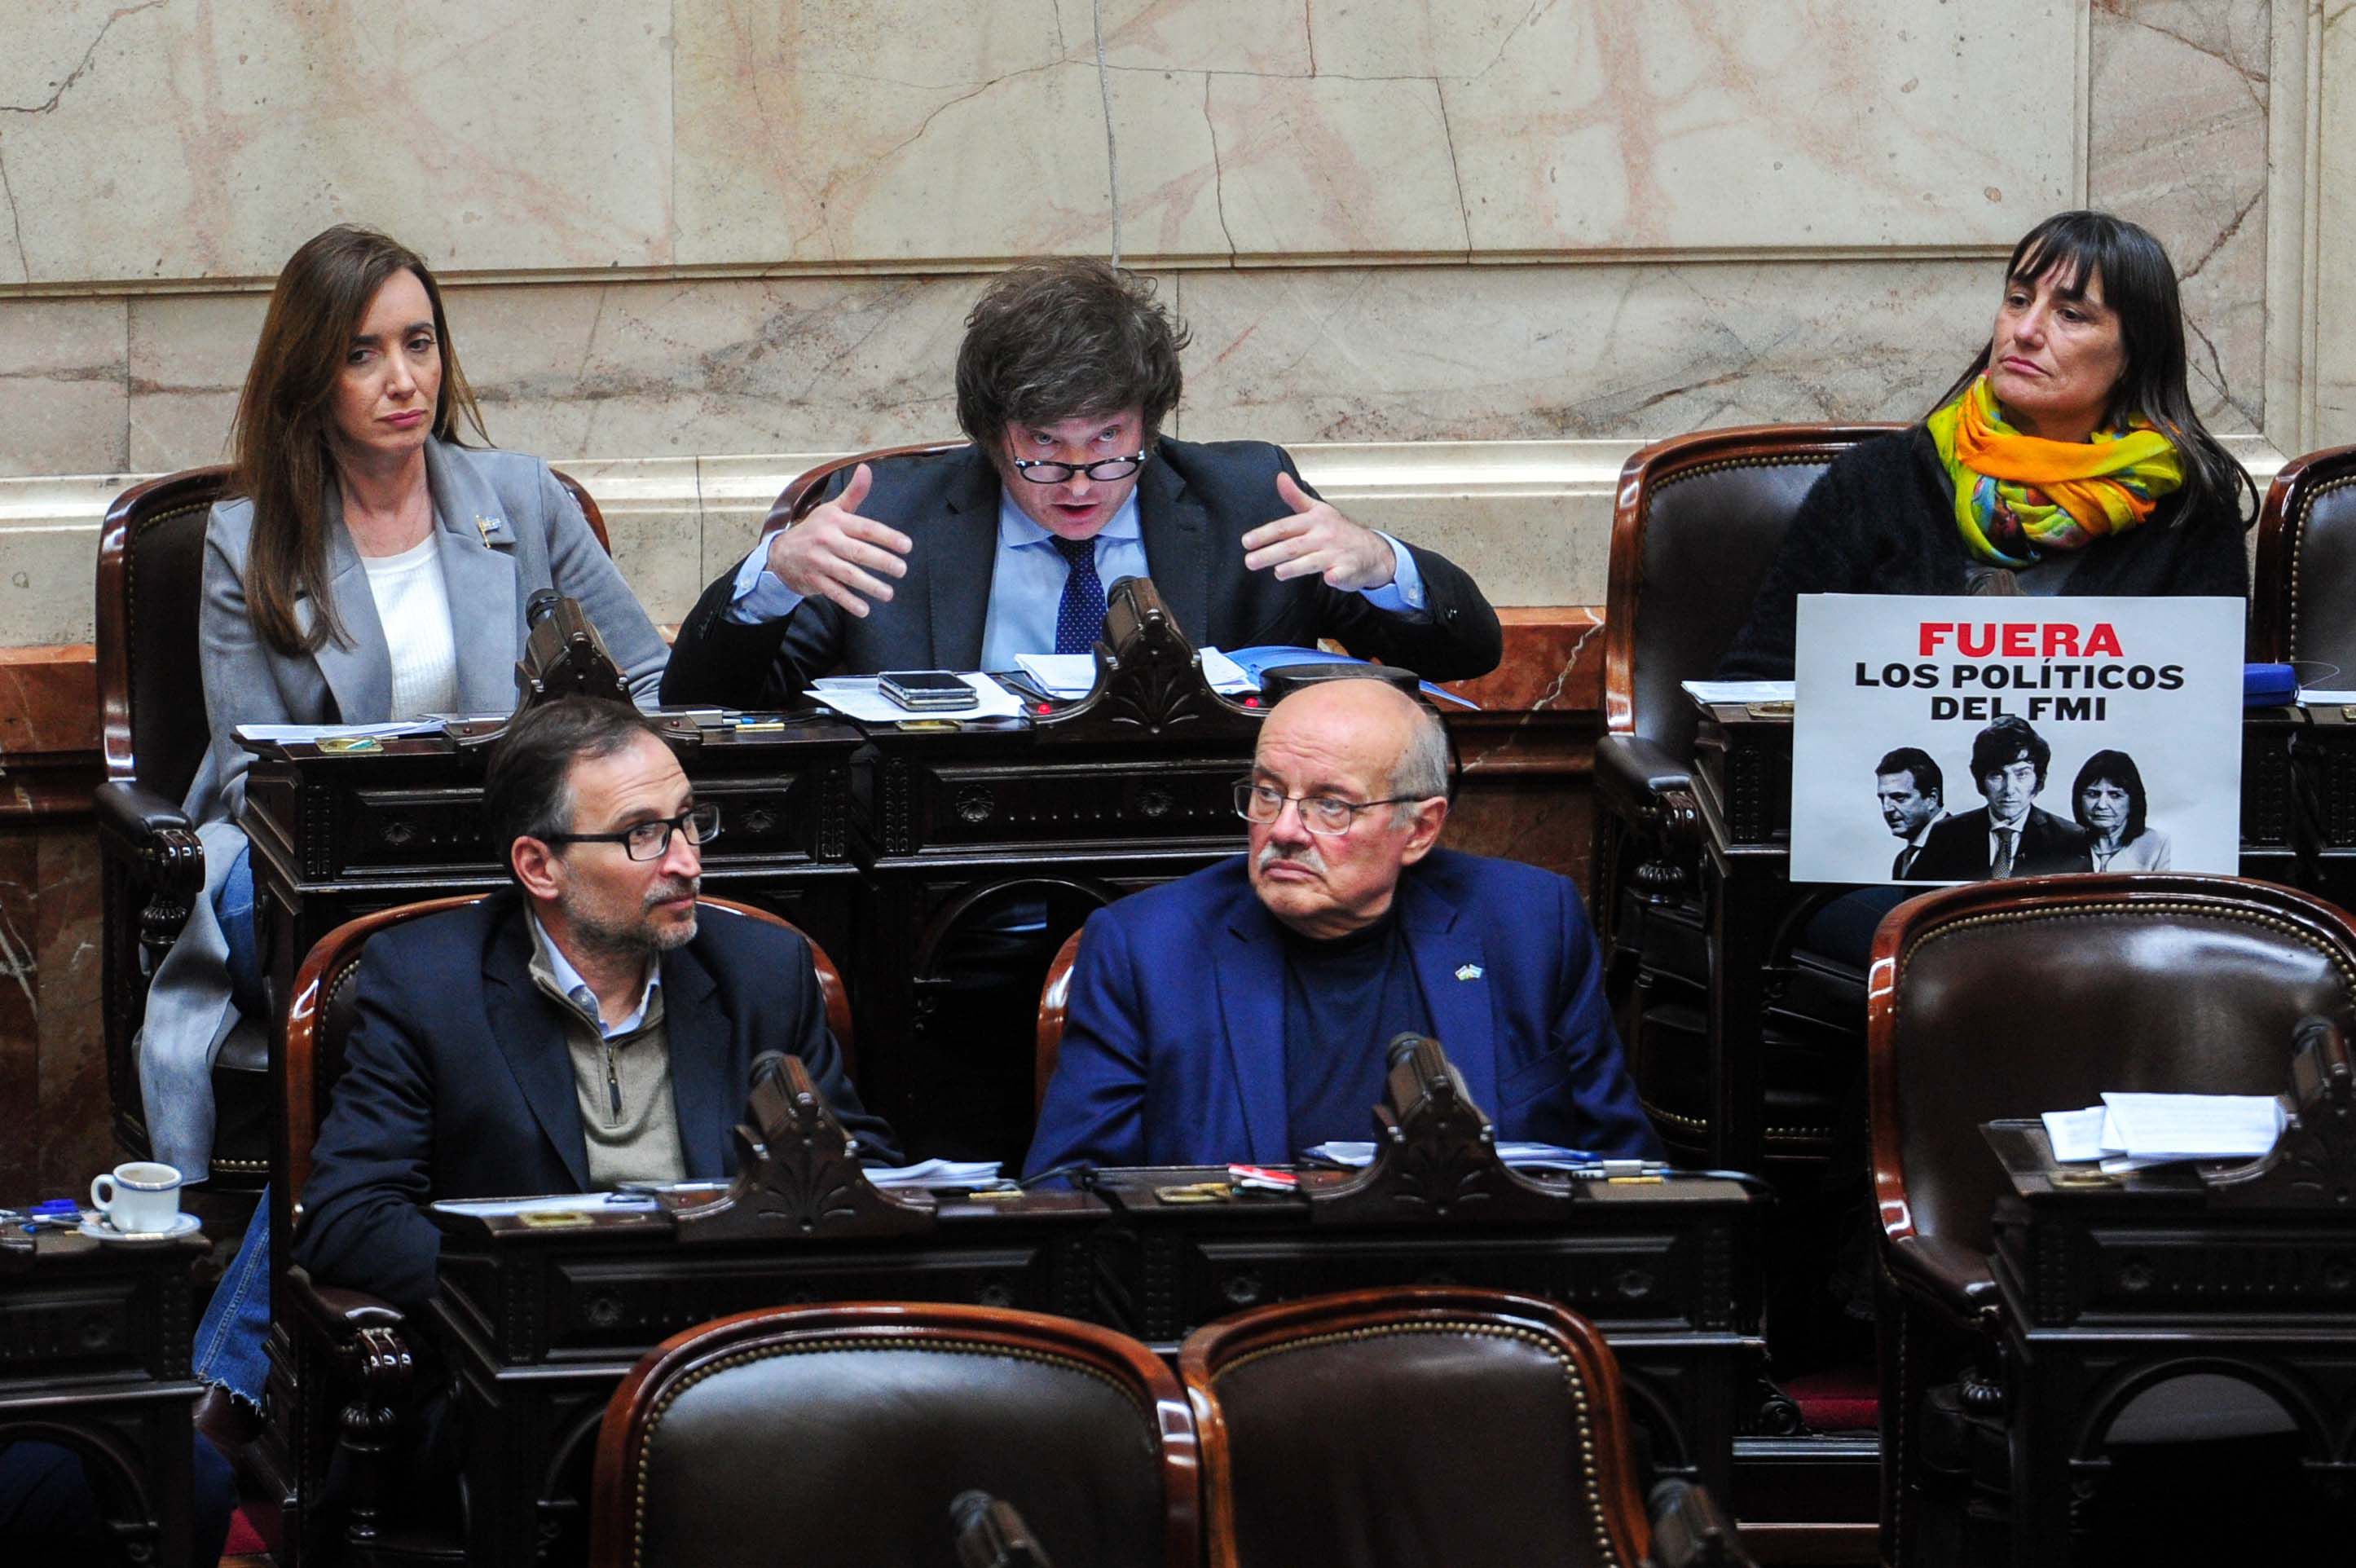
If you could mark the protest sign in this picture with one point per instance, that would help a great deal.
(1942, 739)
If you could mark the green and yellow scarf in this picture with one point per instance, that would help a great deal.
(2019, 495)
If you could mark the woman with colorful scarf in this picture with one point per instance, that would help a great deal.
(2067, 459)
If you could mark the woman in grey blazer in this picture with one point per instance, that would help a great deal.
(367, 568)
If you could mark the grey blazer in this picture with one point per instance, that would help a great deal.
(508, 527)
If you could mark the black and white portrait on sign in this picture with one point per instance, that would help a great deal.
(1944, 740)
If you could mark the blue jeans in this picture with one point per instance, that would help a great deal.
(236, 1325)
(234, 909)
(231, 1340)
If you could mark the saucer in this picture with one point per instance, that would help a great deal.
(102, 1229)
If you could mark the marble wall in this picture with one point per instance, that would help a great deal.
(716, 226)
(1467, 255)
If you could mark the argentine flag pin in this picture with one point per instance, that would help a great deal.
(1468, 972)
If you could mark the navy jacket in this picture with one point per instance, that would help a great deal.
(1957, 849)
(457, 1082)
(1194, 504)
(1173, 1046)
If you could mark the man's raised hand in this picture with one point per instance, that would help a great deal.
(837, 552)
(1315, 538)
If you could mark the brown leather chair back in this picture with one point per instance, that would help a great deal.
(151, 693)
(1419, 1425)
(835, 1437)
(2303, 598)
(1699, 520)
(2007, 999)
(1054, 1000)
(320, 1018)
(151, 557)
(798, 500)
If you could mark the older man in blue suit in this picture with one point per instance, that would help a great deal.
(1242, 1014)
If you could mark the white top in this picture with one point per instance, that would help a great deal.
(413, 608)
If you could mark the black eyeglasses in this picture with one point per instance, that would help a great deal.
(1328, 814)
(651, 840)
(1039, 472)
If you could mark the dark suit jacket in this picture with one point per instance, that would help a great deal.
(1194, 505)
(1957, 849)
(457, 1082)
(1165, 1065)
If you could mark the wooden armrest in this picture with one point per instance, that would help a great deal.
(1949, 1278)
(1690, 1531)
(338, 1313)
(135, 813)
(1641, 782)
(1639, 771)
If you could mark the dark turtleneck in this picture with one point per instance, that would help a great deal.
(1344, 997)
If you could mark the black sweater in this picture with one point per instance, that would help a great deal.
(1883, 521)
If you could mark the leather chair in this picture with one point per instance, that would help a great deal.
(1423, 1424)
(1697, 522)
(1054, 1000)
(2303, 598)
(2007, 999)
(343, 1365)
(152, 709)
(838, 1435)
(801, 497)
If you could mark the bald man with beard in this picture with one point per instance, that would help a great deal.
(1242, 1014)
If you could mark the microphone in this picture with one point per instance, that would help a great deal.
(541, 604)
(991, 1534)
(765, 1064)
(1401, 1047)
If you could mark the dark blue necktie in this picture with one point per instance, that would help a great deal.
(1079, 619)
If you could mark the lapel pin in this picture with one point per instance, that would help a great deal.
(1468, 972)
(484, 526)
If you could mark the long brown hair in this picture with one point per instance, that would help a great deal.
(2139, 287)
(280, 458)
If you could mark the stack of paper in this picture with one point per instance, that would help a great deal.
(936, 1173)
(291, 734)
(1075, 674)
(1521, 1156)
(1733, 691)
(857, 697)
(2128, 1131)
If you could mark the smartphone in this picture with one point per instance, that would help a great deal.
(928, 691)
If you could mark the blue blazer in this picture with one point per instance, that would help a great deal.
(458, 1082)
(1173, 1045)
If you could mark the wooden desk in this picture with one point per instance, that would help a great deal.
(1742, 777)
(2109, 1290)
(887, 843)
(338, 835)
(540, 1320)
(94, 1342)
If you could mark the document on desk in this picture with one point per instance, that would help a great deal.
(2195, 1126)
(2129, 1132)
(561, 1203)
(936, 1173)
(857, 697)
(1520, 1156)
(1741, 692)
(257, 734)
(1069, 675)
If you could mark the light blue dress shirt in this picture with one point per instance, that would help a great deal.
(1026, 583)
(576, 990)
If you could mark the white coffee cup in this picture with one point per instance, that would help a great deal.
(139, 1199)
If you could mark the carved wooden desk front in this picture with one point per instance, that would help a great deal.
(541, 1315)
(2111, 1288)
(94, 1354)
